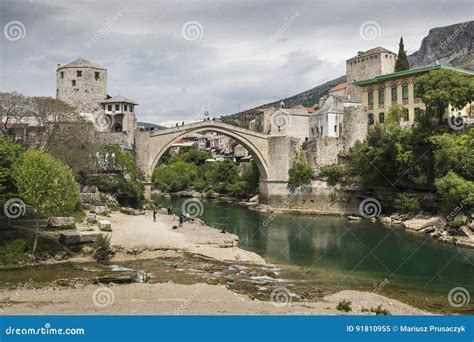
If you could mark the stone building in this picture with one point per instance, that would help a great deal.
(366, 65)
(381, 92)
(83, 85)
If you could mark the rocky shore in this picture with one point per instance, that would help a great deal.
(195, 270)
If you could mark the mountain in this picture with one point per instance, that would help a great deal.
(447, 45)
(148, 126)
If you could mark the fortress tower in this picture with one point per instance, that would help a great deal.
(82, 84)
(367, 65)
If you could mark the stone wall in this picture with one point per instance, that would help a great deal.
(317, 197)
(116, 138)
(354, 126)
(88, 92)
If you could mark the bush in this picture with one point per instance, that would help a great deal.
(456, 193)
(333, 173)
(102, 249)
(9, 153)
(46, 184)
(409, 203)
(344, 305)
(379, 311)
(300, 173)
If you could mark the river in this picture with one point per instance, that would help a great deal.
(337, 252)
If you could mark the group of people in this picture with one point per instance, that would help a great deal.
(169, 211)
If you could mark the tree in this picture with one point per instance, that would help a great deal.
(454, 152)
(300, 173)
(456, 193)
(13, 108)
(46, 184)
(9, 153)
(402, 60)
(440, 88)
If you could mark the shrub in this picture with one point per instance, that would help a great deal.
(409, 203)
(300, 173)
(9, 153)
(344, 305)
(456, 193)
(46, 184)
(379, 311)
(334, 173)
(102, 249)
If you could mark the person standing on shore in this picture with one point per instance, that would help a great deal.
(181, 219)
(154, 215)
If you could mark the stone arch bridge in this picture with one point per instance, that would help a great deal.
(272, 154)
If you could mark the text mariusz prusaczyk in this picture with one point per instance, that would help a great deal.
(406, 329)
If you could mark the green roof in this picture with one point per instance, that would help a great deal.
(398, 74)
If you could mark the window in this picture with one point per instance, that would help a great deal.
(79, 73)
(381, 117)
(62, 74)
(371, 119)
(405, 92)
(97, 75)
(117, 107)
(394, 94)
(406, 114)
(381, 96)
(335, 128)
(417, 113)
(125, 108)
(131, 109)
(109, 108)
(371, 97)
(73, 83)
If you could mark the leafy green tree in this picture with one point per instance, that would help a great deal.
(454, 152)
(440, 88)
(455, 192)
(46, 184)
(402, 60)
(9, 153)
(300, 173)
(334, 173)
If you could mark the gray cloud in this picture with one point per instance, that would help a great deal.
(250, 52)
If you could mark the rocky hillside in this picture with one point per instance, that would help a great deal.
(448, 45)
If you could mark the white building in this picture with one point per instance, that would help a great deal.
(290, 122)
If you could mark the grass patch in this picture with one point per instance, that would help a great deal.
(344, 305)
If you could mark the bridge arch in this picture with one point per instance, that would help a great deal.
(158, 142)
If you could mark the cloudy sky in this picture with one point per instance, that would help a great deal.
(174, 56)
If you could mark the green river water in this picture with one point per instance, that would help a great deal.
(337, 252)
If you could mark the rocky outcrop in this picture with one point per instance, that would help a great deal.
(446, 45)
(58, 222)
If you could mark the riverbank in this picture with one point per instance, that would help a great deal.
(195, 270)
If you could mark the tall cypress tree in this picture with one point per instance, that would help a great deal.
(402, 60)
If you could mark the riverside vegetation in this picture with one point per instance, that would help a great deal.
(188, 170)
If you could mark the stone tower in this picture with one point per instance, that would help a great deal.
(82, 84)
(366, 65)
